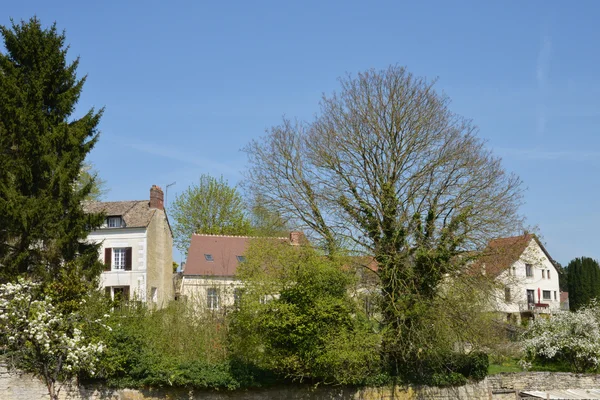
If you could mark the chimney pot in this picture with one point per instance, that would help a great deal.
(157, 198)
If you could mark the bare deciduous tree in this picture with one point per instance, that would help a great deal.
(387, 169)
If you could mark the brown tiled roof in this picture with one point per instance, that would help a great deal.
(224, 251)
(564, 297)
(501, 253)
(135, 213)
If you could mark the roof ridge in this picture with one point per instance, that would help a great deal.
(240, 236)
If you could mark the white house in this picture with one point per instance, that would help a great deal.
(137, 249)
(529, 279)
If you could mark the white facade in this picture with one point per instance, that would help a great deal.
(135, 280)
(530, 284)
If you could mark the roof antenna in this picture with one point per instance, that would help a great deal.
(167, 192)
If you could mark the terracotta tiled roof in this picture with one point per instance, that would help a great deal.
(216, 255)
(501, 253)
(135, 213)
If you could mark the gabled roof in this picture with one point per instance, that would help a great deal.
(224, 252)
(135, 213)
(502, 253)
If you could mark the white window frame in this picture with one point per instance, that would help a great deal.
(212, 298)
(114, 222)
(119, 258)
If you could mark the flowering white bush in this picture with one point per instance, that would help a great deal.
(41, 339)
(571, 337)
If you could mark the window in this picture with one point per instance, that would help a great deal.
(528, 270)
(114, 222)
(543, 274)
(507, 294)
(209, 257)
(119, 258)
(548, 273)
(154, 295)
(120, 293)
(546, 295)
(241, 259)
(212, 298)
(555, 295)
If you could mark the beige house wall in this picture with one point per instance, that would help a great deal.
(159, 260)
(194, 290)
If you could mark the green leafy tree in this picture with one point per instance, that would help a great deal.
(89, 175)
(584, 281)
(386, 168)
(43, 147)
(210, 207)
(296, 317)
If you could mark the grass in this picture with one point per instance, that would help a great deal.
(511, 365)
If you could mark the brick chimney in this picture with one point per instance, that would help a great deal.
(297, 238)
(157, 198)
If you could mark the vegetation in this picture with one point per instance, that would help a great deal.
(43, 151)
(211, 207)
(388, 170)
(171, 347)
(296, 318)
(37, 337)
(583, 281)
(571, 338)
(88, 175)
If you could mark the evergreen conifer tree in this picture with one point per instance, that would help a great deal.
(43, 226)
(584, 281)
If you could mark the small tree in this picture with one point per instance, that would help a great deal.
(297, 319)
(584, 281)
(41, 339)
(569, 337)
(211, 207)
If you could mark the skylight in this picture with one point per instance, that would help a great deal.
(209, 257)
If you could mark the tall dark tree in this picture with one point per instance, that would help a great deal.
(42, 223)
(584, 281)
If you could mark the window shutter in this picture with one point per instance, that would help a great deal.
(128, 259)
(107, 259)
(126, 293)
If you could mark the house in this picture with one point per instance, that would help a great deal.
(209, 277)
(526, 272)
(136, 248)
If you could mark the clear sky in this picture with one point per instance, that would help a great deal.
(187, 84)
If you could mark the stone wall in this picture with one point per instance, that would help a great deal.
(15, 386)
(543, 381)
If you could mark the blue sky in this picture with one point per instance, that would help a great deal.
(187, 84)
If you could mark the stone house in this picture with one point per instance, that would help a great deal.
(209, 277)
(526, 274)
(136, 248)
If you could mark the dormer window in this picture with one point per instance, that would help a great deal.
(114, 222)
(209, 257)
(241, 259)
